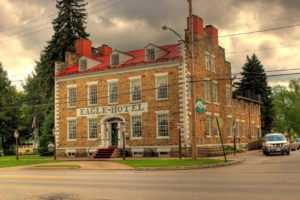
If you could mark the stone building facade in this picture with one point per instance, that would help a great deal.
(145, 93)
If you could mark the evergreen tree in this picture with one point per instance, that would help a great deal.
(46, 135)
(68, 27)
(254, 82)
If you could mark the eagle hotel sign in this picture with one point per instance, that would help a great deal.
(131, 109)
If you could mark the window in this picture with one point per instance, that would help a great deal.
(237, 128)
(252, 109)
(83, 65)
(213, 68)
(207, 61)
(92, 128)
(258, 132)
(206, 91)
(163, 125)
(236, 106)
(216, 130)
(243, 129)
(242, 107)
(208, 125)
(93, 94)
(150, 54)
(113, 92)
(228, 96)
(215, 92)
(162, 87)
(115, 60)
(72, 96)
(136, 126)
(72, 129)
(135, 90)
(229, 127)
(257, 110)
(253, 132)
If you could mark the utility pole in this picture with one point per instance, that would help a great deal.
(191, 44)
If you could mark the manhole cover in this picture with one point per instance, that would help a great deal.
(59, 197)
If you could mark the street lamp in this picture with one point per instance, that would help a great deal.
(179, 139)
(16, 134)
(54, 150)
(192, 70)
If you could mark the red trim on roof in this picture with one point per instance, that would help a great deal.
(137, 60)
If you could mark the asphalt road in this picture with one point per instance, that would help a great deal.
(258, 177)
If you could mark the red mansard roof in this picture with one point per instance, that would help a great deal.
(137, 60)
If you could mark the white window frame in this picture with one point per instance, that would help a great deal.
(109, 83)
(208, 124)
(69, 119)
(159, 113)
(70, 102)
(207, 90)
(213, 64)
(157, 76)
(131, 122)
(90, 84)
(115, 59)
(228, 95)
(132, 92)
(215, 92)
(150, 54)
(236, 106)
(252, 129)
(206, 55)
(252, 109)
(82, 64)
(229, 126)
(237, 124)
(89, 133)
(243, 128)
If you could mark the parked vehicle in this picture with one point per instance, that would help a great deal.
(295, 145)
(275, 143)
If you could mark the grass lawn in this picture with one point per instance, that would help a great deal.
(57, 166)
(10, 161)
(168, 162)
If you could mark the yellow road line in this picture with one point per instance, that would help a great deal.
(37, 177)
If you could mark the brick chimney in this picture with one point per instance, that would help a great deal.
(197, 25)
(104, 50)
(214, 32)
(84, 47)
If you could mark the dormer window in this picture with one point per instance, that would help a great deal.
(150, 54)
(82, 65)
(115, 60)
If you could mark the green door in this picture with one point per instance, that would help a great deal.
(114, 134)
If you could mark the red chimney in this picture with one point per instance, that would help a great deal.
(197, 25)
(104, 50)
(214, 32)
(84, 47)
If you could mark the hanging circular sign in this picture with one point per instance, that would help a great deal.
(200, 106)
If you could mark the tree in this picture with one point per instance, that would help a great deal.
(287, 108)
(9, 111)
(68, 27)
(46, 135)
(254, 83)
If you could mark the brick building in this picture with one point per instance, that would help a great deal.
(147, 91)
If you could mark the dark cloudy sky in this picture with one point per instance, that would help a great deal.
(25, 26)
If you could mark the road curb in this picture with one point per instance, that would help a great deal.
(189, 167)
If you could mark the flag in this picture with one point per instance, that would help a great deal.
(33, 123)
